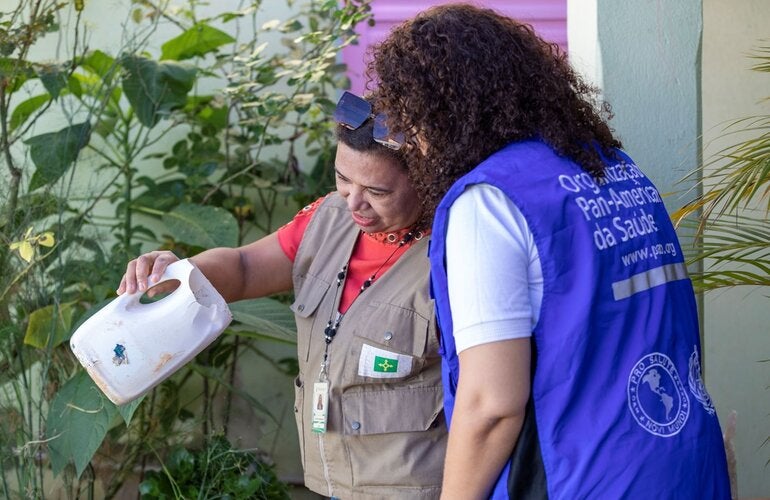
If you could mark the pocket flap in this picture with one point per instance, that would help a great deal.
(401, 409)
(395, 328)
(309, 296)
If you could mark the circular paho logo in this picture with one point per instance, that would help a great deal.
(656, 396)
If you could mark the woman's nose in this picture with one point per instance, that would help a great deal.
(355, 200)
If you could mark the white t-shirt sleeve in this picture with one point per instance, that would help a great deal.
(494, 276)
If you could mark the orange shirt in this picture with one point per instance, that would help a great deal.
(370, 252)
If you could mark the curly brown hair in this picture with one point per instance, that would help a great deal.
(462, 82)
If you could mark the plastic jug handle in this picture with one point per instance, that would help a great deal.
(179, 270)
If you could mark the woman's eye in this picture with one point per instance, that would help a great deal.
(377, 193)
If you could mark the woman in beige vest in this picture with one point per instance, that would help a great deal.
(368, 395)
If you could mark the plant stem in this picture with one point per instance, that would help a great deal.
(233, 372)
(13, 193)
(128, 178)
(206, 401)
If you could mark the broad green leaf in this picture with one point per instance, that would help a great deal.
(78, 420)
(209, 110)
(92, 84)
(267, 316)
(54, 80)
(202, 226)
(216, 116)
(127, 410)
(106, 123)
(54, 152)
(155, 88)
(25, 109)
(196, 41)
(99, 63)
(73, 86)
(46, 321)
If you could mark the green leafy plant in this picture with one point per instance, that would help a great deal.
(35, 316)
(169, 167)
(216, 471)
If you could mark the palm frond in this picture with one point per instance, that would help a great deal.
(728, 222)
(737, 175)
(762, 54)
(713, 280)
(743, 171)
(734, 251)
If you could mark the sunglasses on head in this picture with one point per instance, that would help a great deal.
(352, 111)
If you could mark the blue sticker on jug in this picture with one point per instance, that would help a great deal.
(120, 355)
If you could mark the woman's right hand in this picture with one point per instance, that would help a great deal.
(145, 270)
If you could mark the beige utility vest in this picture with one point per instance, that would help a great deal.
(386, 433)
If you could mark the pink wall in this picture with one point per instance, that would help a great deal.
(548, 17)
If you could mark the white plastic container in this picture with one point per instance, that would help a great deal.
(129, 347)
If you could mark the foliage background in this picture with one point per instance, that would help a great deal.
(127, 127)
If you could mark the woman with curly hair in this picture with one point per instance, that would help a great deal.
(568, 323)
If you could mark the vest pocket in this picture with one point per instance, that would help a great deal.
(308, 296)
(391, 409)
(390, 343)
(399, 428)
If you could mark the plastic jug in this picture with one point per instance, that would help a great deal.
(129, 347)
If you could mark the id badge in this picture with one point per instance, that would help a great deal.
(320, 406)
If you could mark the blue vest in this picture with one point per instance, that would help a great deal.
(618, 408)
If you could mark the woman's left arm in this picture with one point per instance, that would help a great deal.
(490, 402)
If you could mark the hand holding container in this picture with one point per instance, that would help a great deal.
(129, 347)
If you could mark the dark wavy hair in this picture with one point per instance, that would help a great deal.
(362, 140)
(461, 82)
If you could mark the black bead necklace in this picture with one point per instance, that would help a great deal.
(335, 319)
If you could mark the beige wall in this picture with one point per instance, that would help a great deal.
(737, 322)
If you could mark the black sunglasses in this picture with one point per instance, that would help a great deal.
(352, 111)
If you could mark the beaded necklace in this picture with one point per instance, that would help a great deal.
(334, 320)
(321, 387)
